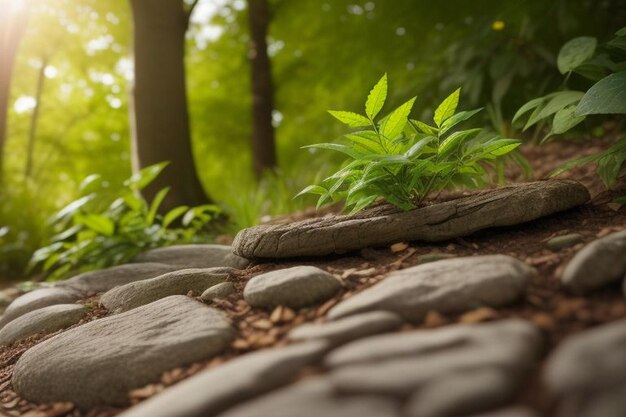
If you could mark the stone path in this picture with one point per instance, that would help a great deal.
(505, 206)
(363, 356)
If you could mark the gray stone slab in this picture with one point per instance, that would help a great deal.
(447, 286)
(599, 263)
(215, 390)
(457, 393)
(138, 293)
(349, 328)
(385, 225)
(315, 398)
(295, 287)
(93, 282)
(44, 320)
(99, 362)
(592, 360)
(37, 299)
(195, 256)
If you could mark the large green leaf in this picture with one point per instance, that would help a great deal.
(455, 139)
(349, 118)
(376, 98)
(96, 222)
(394, 124)
(456, 119)
(337, 147)
(575, 52)
(156, 203)
(447, 108)
(607, 96)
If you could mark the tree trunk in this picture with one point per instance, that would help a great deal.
(263, 143)
(13, 14)
(32, 133)
(160, 122)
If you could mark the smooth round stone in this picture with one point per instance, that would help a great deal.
(295, 287)
(565, 241)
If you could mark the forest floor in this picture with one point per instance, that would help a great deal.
(557, 312)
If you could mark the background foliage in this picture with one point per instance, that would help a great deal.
(325, 54)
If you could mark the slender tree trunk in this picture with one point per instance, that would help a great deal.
(159, 118)
(263, 143)
(13, 14)
(32, 133)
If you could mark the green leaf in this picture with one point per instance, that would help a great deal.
(394, 124)
(366, 139)
(337, 147)
(376, 98)
(419, 145)
(156, 203)
(173, 214)
(531, 105)
(456, 119)
(96, 222)
(556, 103)
(505, 148)
(564, 120)
(312, 189)
(575, 52)
(455, 139)
(72, 208)
(349, 118)
(621, 32)
(423, 127)
(447, 108)
(607, 96)
(146, 176)
(363, 203)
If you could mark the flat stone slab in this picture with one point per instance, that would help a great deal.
(316, 398)
(295, 287)
(448, 286)
(589, 361)
(99, 362)
(599, 263)
(349, 328)
(138, 293)
(93, 282)
(385, 225)
(37, 299)
(43, 320)
(194, 256)
(210, 392)
(450, 371)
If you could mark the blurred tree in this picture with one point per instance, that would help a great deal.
(263, 145)
(159, 114)
(13, 16)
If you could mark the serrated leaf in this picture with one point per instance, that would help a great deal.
(423, 127)
(575, 52)
(367, 139)
(376, 98)
(349, 118)
(312, 189)
(456, 119)
(447, 108)
(419, 145)
(455, 139)
(394, 124)
(337, 147)
(607, 96)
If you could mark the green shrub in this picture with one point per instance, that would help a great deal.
(402, 160)
(96, 230)
(605, 65)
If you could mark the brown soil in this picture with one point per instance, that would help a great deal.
(546, 303)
